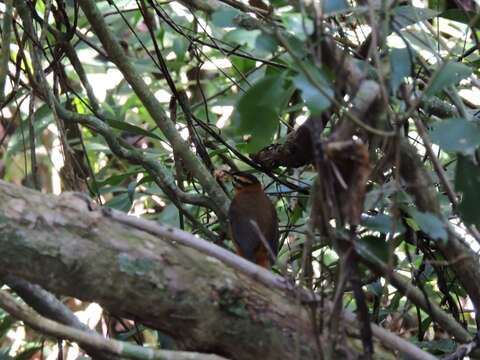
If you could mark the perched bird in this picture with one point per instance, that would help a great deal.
(253, 221)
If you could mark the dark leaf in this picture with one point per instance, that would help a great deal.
(467, 182)
(462, 16)
(373, 248)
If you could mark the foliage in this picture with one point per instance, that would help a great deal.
(234, 82)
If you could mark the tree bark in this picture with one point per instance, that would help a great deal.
(62, 244)
(59, 243)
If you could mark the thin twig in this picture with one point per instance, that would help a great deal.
(120, 348)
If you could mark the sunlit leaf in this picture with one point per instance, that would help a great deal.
(28, 353)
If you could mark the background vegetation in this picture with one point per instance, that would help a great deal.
(360, 119)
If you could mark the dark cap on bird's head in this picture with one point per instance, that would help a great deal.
(242, 179)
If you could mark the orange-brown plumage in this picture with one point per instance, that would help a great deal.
(252, 204)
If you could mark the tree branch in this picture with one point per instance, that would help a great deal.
(92, 340)
(118, 57)
(237, 310)
(49, 306)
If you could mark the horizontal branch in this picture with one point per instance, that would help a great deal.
(231, 307)
(91, 340)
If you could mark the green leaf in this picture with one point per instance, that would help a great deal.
(116, 179)
(120, 202)
(467, 182)
(376, 288)
(297, 46)
(462, 16)
(334, 6)
(131, 190)
(383, 223)
(225, 17)
(265, 44)
(451, 74)
(401, 64)
(409, 15)
(242, 64)
(379, 196)
(169, 216)
(258, 109)
(373, 248)
(180, 47)
(457, 134)
(298, 25)
(20, 138)
(125, 126)
(242, 37)
(317, 101)
(430, 224)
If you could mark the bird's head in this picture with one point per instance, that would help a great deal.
(245, 181)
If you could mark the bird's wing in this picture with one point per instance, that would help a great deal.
(245, 237)
(276, 232)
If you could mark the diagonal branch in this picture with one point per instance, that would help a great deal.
(118, 57)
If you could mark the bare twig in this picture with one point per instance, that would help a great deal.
(48, 305)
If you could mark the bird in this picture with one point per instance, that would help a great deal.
(253, 221)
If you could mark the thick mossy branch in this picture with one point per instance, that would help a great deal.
(69, 249)
(60, 244)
